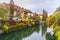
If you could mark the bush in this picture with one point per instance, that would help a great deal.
(19, 24)
(57, 35)
(1, 23)
(57, 28)
(37, 18)
(28, 22)
(5, 27)
(57, 32)
(33, 23)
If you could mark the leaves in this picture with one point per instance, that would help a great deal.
(3, 12)
(53, 19)
(50, 20)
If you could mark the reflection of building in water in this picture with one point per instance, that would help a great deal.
(20, 34)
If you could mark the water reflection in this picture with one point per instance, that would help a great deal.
(20, 34)
(44, 28)
(36, 32)
(50, 37)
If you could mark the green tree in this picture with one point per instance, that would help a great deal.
(3, 12)
(57, 16)
(53, 19)
(37, 18)
(50, 20)
(11, 9)
(45, 15)
(25, 15)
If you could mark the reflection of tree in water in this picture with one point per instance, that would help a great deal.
(44, 28)
(18, 35)
(50, 37)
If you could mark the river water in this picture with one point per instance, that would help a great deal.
(29, 33)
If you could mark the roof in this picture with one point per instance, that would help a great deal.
(21, 9)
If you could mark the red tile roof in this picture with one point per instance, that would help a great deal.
(17, 8)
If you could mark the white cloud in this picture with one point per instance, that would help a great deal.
(37, 5)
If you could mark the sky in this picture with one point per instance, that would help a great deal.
(37, 5)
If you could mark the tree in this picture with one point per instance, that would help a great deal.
(50, 20)
(3, 12)
(11, 9)
(37, 18)
(57, 16)
(53, 19)
(44, 14)
(25, 15)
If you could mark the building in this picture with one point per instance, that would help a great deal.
(16, 11)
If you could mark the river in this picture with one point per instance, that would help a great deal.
(29, 33)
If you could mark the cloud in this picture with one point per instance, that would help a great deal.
(37, 5)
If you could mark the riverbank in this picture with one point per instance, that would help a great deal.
(8, 29)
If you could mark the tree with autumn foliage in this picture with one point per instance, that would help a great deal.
(50, 20)
(3, 12)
